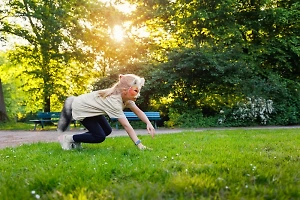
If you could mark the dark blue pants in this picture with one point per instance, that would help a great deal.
(98, 128)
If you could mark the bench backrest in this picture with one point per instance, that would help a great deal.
(153, 115)
(150, 115)
(48, 115)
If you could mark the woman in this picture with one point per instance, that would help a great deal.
(91, 108)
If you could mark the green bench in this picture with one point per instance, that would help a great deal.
(131, 116)
(47, 117)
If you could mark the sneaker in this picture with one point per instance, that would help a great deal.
(76, 145)
(65, 144)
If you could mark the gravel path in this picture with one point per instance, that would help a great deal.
(16, 138)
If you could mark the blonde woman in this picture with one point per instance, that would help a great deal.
(90, 109)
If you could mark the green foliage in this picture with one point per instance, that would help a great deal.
(213, 164)
(209, 81)
(48, 34)
(56, 58)
(189, 119)
(283, 92)
(286, 101)
(246, 49)
(200, 79)
(69, 45)
(15, 86)
(200, 55)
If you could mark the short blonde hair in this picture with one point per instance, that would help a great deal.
(125, 82)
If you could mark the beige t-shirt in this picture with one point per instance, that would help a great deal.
(91, 104)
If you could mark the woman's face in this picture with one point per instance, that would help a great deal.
(134, 92)
(131, 94)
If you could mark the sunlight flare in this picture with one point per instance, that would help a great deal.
(118, 33)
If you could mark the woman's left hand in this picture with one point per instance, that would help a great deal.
(151, 129)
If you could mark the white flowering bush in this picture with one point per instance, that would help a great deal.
(254, 109)
(222, 117)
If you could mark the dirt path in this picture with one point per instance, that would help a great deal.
(16, 138)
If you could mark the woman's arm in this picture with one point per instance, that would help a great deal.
(128, 128)
(144, 118)
(130, 131)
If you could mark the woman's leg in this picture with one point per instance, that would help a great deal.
(104, 124)
(98, 128)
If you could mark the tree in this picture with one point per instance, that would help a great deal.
(270, 31)
(218, 52)
(56, 32)
(3, 114)
(69, 44)
(51, 29)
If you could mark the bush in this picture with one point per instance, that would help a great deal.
(190, 119)
(252, 111)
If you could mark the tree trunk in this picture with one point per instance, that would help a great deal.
(46, 92)
(47, 103)
(3, 114)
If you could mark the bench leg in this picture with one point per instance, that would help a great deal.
(117, 125)
(155, 125)
(35, 126)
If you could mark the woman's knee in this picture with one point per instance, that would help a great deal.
(104, 125)
(108, 131)
(99, 139)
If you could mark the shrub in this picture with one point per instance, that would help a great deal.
(252, 111)
(190, 119)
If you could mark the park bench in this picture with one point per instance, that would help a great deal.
(47, 117)
(131, 116)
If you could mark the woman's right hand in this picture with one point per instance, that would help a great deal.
(142, 147)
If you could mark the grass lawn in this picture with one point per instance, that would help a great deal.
(11, 125)
(212, 164)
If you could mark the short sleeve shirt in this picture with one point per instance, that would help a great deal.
(91, 104)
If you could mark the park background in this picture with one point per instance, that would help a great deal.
(206, 63)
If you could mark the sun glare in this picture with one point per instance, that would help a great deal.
(118, 33)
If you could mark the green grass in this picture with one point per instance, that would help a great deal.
(213, 164)
(11, 125)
